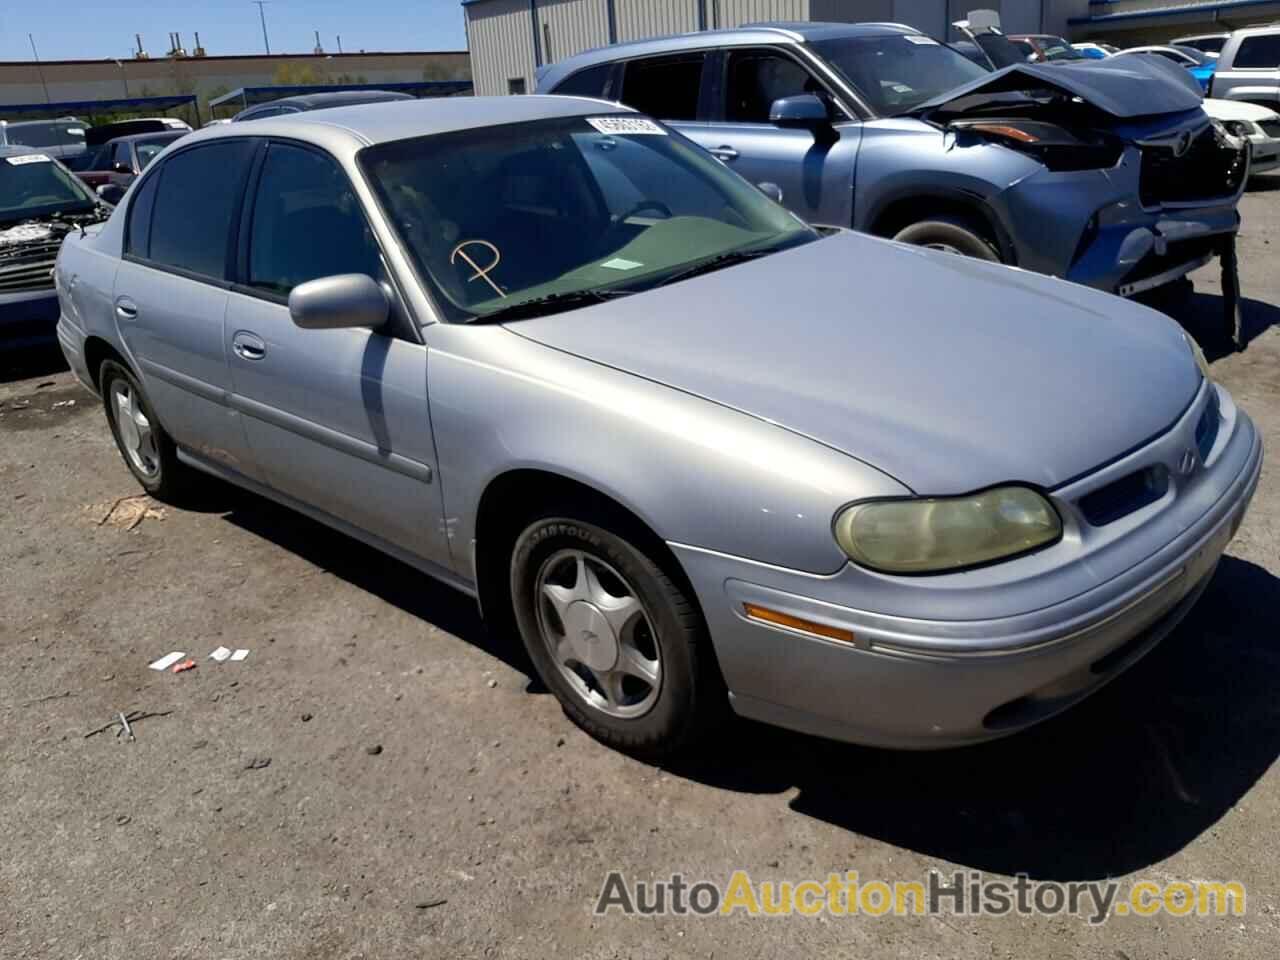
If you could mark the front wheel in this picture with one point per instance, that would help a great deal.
(617, 641)
(952, 235)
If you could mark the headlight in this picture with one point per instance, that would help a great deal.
(1237, 128)
(940, 534)
(1196, 352)
(1056, 147)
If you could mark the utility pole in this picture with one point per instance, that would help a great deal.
(261, 4)
(123, 79)
(39, 69)
(339, 43)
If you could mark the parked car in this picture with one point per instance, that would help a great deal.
(1259, 125)
(1208, 42)
(558, 357)
(1045, 47)
(1096, 51)
(1199, 64)
(117, 162)
(40, 203)
(96, 139)
(61, 139)
(317, 101)
(1249, 68)
(1003, 166)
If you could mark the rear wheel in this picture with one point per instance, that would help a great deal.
(616, 640)
(148, 451)
(952, 235)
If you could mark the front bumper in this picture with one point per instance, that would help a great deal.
(28, 317)
(1266, 154)
(960, 658)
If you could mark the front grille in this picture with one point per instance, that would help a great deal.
(1209, 169)
(1207, 428)
(31, 268)
(1271, 127)
(1122, 497)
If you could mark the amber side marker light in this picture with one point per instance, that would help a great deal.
(1003, 130)
(778, 618)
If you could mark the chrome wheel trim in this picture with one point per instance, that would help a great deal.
(944, 247)
(136, 435)
(598, 634)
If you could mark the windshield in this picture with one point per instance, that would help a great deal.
(57, 134)
(894, 74)
(562, 210)
(32, 185)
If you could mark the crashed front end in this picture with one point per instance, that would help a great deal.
(1137, 186)
(28, 301)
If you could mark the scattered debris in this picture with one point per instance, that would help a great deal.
(130, 719)
(125, 728)
(428, 904)
(239, 655)
(373, 750)
(64, 403)
(123, 819)
(220, 654)
(52, 696)
(492, 684)
(559, 741)
(167, 661)
(184, 666)
(306, 718)
(128, 512)
(258, 763)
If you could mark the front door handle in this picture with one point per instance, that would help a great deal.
(126, 309)
(248, 346)
(724, 152)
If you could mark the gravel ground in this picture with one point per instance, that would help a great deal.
(380, 779)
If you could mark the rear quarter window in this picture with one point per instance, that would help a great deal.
(590, 82)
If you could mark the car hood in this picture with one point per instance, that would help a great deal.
(947, 373)
(1122, 86)
(1237, 110)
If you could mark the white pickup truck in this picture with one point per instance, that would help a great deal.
(1249, 68)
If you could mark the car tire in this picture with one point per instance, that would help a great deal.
(952, 234)
(559, 560)
(148, 451)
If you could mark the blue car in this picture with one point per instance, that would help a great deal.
(1196, 62)
(1104, 172)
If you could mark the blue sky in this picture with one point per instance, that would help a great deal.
(79, 29)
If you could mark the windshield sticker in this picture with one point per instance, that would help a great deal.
(481, 273)
(612, 125)
(618, 263)
(915, 38)
(28, 158)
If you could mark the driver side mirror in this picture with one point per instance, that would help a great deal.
(806, 111)
(111, 193)
(119, 167)
(338, 302)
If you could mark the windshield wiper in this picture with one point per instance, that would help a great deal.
(718, 262)
(551, 303)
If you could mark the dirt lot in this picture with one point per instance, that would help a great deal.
(379, 779)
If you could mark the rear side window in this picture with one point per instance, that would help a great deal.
(138, 234)
(759, 77)
(1259, 52)
(665, 87)
(586, 83)
(307, 223)
(195, 206)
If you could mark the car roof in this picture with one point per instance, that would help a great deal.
(1257, 31)
(344, 130)
(333, 98)
(151, 137)
(779, 31)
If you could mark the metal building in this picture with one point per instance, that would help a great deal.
(510, 39)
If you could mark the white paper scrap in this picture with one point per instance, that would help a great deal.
(167, 661)
(220, 654)
(239, 655)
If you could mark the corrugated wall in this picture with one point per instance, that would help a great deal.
(501, 41)
(734, 13)
(571, 26)
(640, 19)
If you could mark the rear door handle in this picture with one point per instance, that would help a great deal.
(126, 309)
(724, 152)
(248, 346)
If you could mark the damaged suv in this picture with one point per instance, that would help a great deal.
(1107, 173)
(41, 201)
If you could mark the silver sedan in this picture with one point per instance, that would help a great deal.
(692, 451)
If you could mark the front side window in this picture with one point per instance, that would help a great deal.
(756, 78)
(664, 87)
(33, 185)
(895, 74)
(196, 202)
(555, 212)
(1258, 52)
(307, 223)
